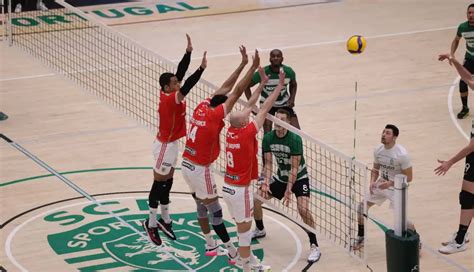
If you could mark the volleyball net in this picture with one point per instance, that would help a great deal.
(126, 75)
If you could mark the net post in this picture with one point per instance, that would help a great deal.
(400, 204)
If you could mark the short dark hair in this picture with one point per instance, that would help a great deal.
(393, 128)
(218, 99)
(470, 6)
(283, 111)
(165, 79)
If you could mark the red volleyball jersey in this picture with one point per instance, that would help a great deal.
(171, 117)
(202, 141)
(241, 155)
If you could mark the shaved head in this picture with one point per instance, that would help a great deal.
(238, 119)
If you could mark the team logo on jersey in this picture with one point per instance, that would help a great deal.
(107, 243)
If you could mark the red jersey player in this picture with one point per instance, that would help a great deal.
(172, 126)
(202, 149)
(242, 167)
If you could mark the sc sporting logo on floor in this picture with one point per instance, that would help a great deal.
(96, 241)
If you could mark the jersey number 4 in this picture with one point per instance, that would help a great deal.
(192, 133)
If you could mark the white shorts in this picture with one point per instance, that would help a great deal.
(200, 180)
(166, 156)
(239, 200)
(379, 196)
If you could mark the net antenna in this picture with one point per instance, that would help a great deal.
(125, 74)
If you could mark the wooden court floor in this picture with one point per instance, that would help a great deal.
(399, 81)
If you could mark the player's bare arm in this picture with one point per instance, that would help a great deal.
(293, 87)
(256, 94)
(295, 162)
(445, 165)
(227, 86)
(374, 174)
(267, 105)
(267, 174)
(243, 83)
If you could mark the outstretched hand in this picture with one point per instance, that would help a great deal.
(204, 60)
(256, 59)
(281, 77)
(443, 168)
(446, 56)
(189, 47)
(263, 76)
(243, 52)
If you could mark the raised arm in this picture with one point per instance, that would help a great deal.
(230, 82)
(445, 165)
(466, 76)
(243, 83)
(256, 94)
(268, 104)
(192, 80)
(184, 63)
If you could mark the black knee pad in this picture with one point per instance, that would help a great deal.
(155, 194)
(165, 188)
(466, 200)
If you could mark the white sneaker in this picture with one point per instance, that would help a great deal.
(256, 233)
(466, 239)
(314, 254)
(214, 249)
(358, 243)
(452, 247)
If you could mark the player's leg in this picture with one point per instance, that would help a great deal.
(464, 90)
(466, 200)
(211, 201)
(166, 155)
(195, 177)
(371, 200)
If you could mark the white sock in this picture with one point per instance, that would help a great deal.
(209, 239)
(152, 223)
(165, 214)
(245, 263)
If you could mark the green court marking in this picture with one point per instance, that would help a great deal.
(77, 172)
(380, 225)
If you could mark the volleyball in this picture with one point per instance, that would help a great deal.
(356, 44)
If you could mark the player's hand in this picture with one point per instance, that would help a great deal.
(243, 52)
(446, 56)
(265, 188)
(204, 60)
(256, 60)
(263, 76)
(443, 168)
(281, 77)
(287, 198)
(189, 47)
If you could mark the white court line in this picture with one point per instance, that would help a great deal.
(450, 109)
(268, 49)
(12, 234)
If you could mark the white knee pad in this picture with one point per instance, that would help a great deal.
(245, 238)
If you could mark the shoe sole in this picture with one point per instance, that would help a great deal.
(447, 253)
(447, 243)
(259, 236)
(310, 261)
(165, 231)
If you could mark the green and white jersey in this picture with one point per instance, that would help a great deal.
(282, 150)
(467, 32)
(284, 96)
